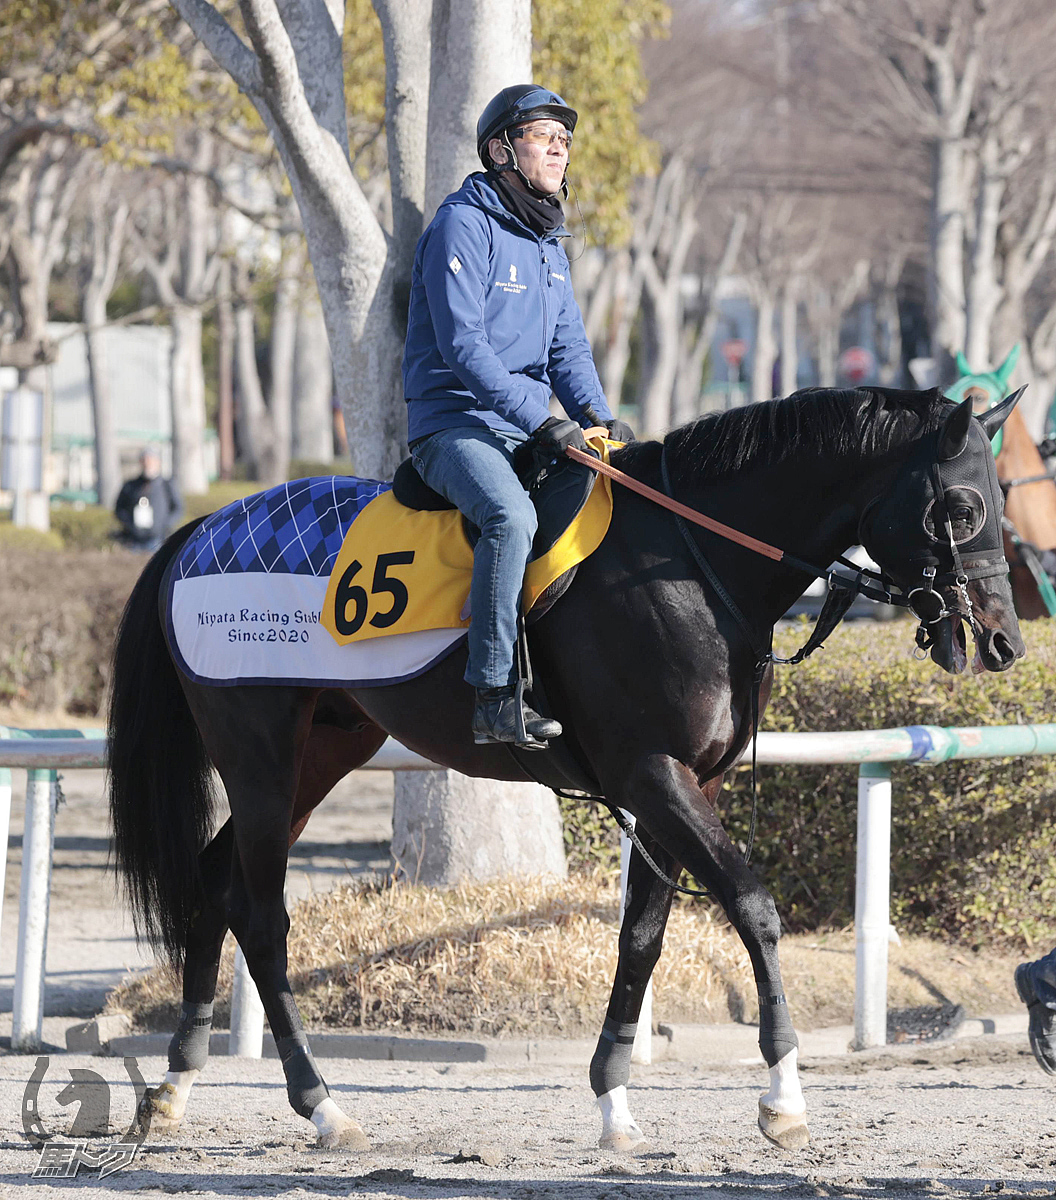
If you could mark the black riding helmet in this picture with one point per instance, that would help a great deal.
(517, 103)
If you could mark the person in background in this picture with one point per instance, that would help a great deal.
(148, 506)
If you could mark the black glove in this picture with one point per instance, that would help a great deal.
(556, 434)
(620, 431)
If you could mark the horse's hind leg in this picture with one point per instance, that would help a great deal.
(261, 769)
(641, 939)
(189, 1047)
(664, 794)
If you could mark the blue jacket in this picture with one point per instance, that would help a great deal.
(493, 326)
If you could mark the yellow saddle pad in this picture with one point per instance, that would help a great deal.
(403, 571)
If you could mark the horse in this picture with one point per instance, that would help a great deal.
(656, 674)
(1030, 492)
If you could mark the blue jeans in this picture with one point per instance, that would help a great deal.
(473, 468)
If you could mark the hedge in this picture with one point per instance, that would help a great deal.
(973, 843)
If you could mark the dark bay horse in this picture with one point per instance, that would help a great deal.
(645, 667)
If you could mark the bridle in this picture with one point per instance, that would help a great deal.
(923, 599)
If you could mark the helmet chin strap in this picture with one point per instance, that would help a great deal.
(514, 165)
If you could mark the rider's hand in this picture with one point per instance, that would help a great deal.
(556, 434)
(620, 431)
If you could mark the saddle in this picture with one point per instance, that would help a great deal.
(559, 490)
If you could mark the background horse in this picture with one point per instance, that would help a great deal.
(1030, 493)
(652, 671)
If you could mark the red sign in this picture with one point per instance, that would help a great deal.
(734, 350)
(856, 363)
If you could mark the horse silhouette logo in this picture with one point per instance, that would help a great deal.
(91, 1093)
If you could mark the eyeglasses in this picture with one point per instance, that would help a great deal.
(539, 136)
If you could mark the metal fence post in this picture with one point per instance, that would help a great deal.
(5, 830)
(642, 1050)
(872, 905)
(247, 1013)
(27, 1009)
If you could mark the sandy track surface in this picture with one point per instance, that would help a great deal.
(945, 1122)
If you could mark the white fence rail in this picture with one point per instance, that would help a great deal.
(43, 752)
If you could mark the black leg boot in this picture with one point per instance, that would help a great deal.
(500, 715)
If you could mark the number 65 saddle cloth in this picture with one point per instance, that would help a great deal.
(331, 581)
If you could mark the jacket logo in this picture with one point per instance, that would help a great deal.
(511, 284)
(561, 277)
(455, 265)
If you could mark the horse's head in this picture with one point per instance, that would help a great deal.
(936, 531)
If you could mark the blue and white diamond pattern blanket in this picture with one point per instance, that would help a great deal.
(244, 594)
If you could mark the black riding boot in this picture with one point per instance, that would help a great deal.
(1036, 984)
(500, 716)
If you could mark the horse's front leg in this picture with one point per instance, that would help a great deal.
(641, 940)
(663, 793)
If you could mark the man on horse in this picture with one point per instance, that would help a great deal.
(493, 328)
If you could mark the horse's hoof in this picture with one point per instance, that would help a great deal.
(157, 1111)
(787, 1130)
(623, 1141)
(346, 1137)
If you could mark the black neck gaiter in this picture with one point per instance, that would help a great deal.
(541, 214)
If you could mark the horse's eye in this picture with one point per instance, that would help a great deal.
(962, 514)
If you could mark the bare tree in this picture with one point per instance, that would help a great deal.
(177, 241)
(106, 221)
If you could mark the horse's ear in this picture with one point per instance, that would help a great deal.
(962, 364)
(994, 418)
(1008, 366)
(954, 434)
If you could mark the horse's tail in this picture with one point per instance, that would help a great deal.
(161, 798)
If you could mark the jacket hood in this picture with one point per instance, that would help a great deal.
(477, 191)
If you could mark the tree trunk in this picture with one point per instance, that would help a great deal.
(188, 401)
(626, 300)
(313, 388)
(256, 435)
(478, 48)
(225, 391)
(447, 826)
(283, 337)
(106, 236)
(888, 324)
(764, 353)
(789, 345)
(983, 292)
(107, 463)
(946, 262)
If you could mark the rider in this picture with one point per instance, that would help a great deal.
(492, 329)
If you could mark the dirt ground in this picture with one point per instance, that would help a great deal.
(953, 1121)
(956, 1120)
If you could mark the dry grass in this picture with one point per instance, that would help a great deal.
(538, 957)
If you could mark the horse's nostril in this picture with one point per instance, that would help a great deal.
(1002, 648)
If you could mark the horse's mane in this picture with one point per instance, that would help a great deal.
(836, 422)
